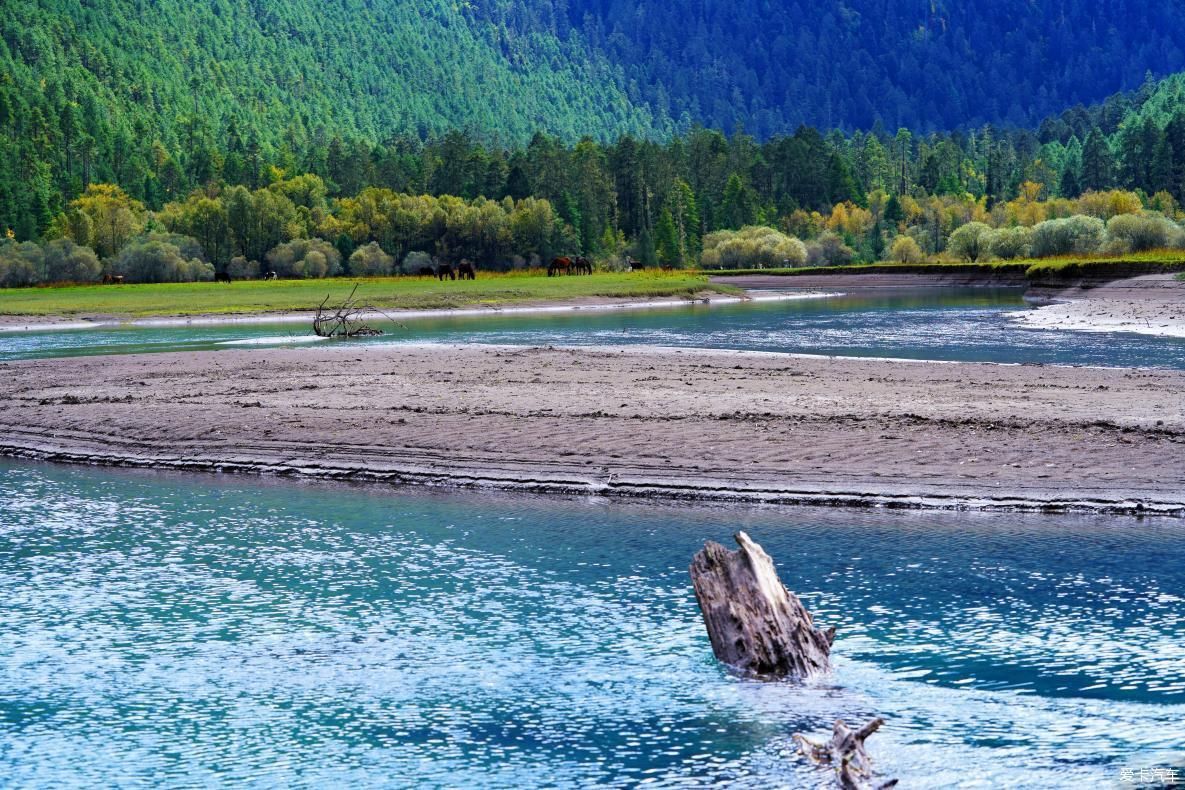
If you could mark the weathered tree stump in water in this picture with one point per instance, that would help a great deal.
(756, 625)
(846, 752)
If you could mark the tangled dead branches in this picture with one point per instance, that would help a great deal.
(845, 751)
(347, 319)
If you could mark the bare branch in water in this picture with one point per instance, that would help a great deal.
(347, 319)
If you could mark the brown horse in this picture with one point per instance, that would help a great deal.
(113, 279)
(466, 271)
(582, 265)
(427, 271)
(559, 266)
(446, 270)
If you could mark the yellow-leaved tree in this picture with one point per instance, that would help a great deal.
(104, 217)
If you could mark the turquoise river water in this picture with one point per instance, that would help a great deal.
(948, 324)
(194, 631)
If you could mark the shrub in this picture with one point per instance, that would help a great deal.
(906, 250)
(829, 250)
(153, 259)
(1115, 247)
(188, 246)
(970, 242)
(1144, 231)
(371, 261)
(416, 260)
(21, 264)
(1010, 243)
(1072, 235)
(242, 269)
(305, 258)
(66, 261)
(752, 246)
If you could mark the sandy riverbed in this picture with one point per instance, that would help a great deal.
(626, 422)
(1150, 305)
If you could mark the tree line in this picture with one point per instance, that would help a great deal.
(845, 197)
(289, 228)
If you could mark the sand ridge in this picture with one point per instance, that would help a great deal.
(730, 426)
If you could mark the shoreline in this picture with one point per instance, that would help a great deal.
(681, 424)
(873, 281)
(13, 324)
(1149, 305)
(722, 492)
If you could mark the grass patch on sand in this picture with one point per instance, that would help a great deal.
(1063, 267)
(396, 293)
(1155, 262)
(886, 267)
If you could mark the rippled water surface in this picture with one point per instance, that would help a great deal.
(186, 631)
(947, 324)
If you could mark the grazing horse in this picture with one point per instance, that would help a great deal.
(467, 271)
(113, 279)
(559, 266)
(270, 275)
(427, 271)
(634, 264)
(582, 265)
(222, 277)
(446, 270)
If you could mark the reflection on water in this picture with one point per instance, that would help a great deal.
(196, 630)
(948, 324)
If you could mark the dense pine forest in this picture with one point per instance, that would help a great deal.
(217, 132)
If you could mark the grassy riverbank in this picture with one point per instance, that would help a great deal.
(396, 293)
(1066, 267)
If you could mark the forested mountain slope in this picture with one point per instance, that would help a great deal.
(158, 94)
(924, 64)
(163, 96)
(281, 67)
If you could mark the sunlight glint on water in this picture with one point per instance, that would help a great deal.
(192, 630)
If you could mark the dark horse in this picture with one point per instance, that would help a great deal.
(113, 279)
(582, 265)
(222, 277)
(559, 266)
(467, 271)
(634, 264)
(446, 270)
(427, 271)
(270, 275)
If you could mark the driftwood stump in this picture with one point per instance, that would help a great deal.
(845, 751)
(756, 625)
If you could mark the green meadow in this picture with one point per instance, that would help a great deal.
(396, 293)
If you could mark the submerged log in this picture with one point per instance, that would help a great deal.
(756, 625)
(845, 750)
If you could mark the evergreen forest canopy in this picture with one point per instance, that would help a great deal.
(590, 109)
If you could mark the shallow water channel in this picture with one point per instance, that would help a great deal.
(939, 323)
(197, 630)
